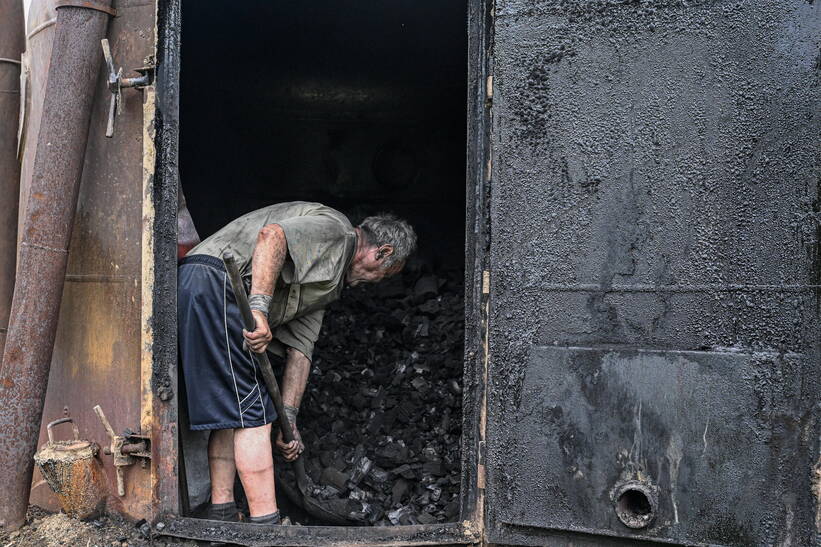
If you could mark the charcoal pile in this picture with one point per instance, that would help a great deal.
(381, 417)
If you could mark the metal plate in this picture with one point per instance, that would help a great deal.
(728, 425)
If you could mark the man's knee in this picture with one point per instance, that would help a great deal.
(252, 449)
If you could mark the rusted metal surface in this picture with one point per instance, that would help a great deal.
(44, 245)
(100, 341)
(11, 49)
(39, 38)
(98, 6)
(73, 472)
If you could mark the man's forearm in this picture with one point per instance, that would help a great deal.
(297, 369)
(269, 255)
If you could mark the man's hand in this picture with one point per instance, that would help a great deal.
(290, 450)
(259, 339)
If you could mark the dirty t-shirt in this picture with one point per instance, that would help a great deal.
(321, 244)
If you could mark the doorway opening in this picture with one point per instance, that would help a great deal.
(360, 106)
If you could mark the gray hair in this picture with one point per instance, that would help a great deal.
(388, 229)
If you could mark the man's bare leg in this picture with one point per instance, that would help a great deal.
(255, 464)
(222, 466)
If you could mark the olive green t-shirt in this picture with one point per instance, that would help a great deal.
(321, 244)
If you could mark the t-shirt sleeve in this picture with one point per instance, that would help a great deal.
(301, 332)
(316, 245)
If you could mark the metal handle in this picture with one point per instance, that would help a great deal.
(108, 429)
(116, 83)
(62, 421)
(114, 450)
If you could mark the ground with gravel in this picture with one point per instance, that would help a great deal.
(43, 529)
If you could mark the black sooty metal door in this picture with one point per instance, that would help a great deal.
(654, 261)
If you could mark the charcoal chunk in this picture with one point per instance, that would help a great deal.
(452, 510)
(403, 515)
(392, 454)
(433, 468)
(426, 518)
(362, 467)
(399, 491)
(335, 478)
(426, 286)
(406, 471)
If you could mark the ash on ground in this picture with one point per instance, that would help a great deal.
(44, 529)
(382, 415)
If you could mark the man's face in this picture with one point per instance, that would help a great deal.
(371, 267)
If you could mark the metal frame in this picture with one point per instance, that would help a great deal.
(163, 322)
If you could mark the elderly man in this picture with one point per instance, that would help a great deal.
(296, 257)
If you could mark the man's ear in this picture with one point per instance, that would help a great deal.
(384, 252)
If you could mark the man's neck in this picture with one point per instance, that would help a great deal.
(361, 246)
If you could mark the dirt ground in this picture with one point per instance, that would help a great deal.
(44, 529)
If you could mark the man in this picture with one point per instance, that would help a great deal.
(297, 257)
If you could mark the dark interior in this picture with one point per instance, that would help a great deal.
(360, 106)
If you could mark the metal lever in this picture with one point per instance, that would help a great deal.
(116, 83)
(124, 448)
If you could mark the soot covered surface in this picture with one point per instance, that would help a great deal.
(381, 418)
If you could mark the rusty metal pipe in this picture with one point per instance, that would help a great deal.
(12, 42)
(58, 166)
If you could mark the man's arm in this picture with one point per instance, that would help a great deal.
(297, 369)
(269, 255)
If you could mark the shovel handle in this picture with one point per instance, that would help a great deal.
(265, 363)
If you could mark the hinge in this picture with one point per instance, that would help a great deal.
(489, 89)
(486, 282)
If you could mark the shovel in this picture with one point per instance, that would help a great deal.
(314, 507)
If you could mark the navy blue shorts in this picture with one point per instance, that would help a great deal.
(223, 382)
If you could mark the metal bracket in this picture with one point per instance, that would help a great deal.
(116, 83)
(126, 449)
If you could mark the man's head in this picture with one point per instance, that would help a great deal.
(385, 243)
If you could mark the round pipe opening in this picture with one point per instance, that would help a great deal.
(635, 504)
